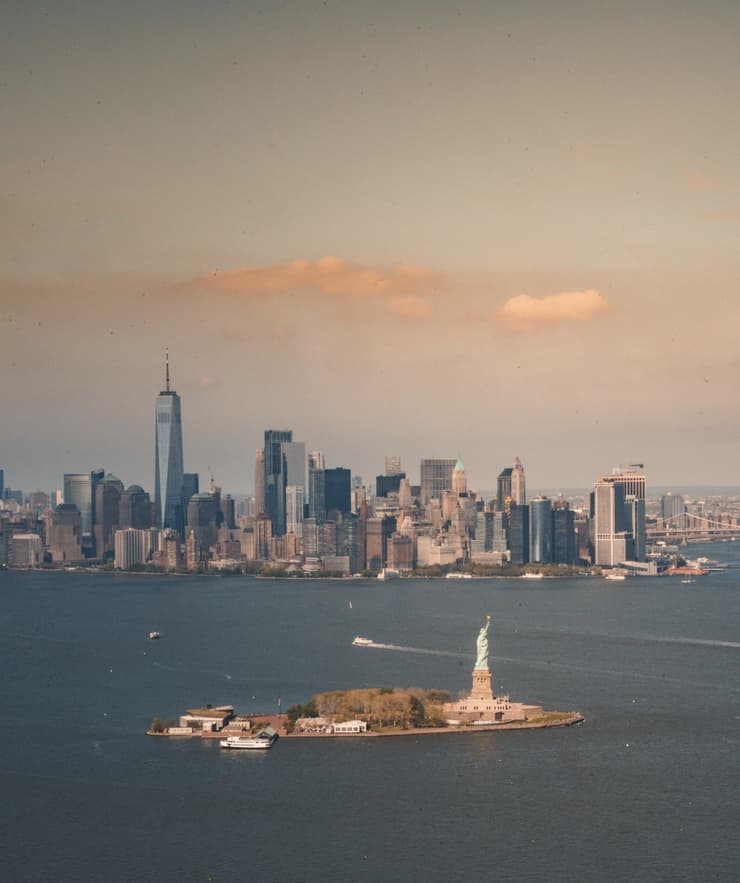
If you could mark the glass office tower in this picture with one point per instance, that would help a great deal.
(169, 477)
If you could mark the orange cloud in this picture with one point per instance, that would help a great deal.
(410, 307)
(719, 216)
(700, 182)
(329, 275)
(526, 313)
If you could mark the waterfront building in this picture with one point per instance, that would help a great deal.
(169, 477)
(401, 552)
(25, 550)
(540, 530)
(259, 481)
(169, 551)
(563, 535)
(618, 516)
(337, 490)
(2, 484)
(310, 538)
(133, 546)
(64, 534)
(107, 513)
(436, 477)
(518, 534)
(276, 477)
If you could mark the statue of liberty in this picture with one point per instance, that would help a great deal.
(481, 660)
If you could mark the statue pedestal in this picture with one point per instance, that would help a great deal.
(481, 685)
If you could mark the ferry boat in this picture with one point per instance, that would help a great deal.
(619, 576)
(459, 576)
(362, 642)
(154, 635)
(530, 575)
(261, 742)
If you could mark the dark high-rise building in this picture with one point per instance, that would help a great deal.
(540, 530)
(317, 491)
(202, 521)
(563, 536)
(228, 512)
(276, 477)
(107, 514)
(518, 534)
(2, 484)
(436, 478)
(386, 484)
(135, 509)
(190, 486)
(79, 490)
(503, 488)
(169, 478)
(337, 489)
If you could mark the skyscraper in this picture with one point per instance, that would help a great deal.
(540, 530)
(518, 534)
(459, 479)
(392, 464)
(618, 513)
(518, 483)
(259, 481)
(169, 481)
(337, 489)
(503, 488)
(79, 490)
(275, 477)
(436, 477)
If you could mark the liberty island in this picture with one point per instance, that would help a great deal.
(380, 711)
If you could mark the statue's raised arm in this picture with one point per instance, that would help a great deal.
(481, 659)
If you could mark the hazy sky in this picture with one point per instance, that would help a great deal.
(420, 228)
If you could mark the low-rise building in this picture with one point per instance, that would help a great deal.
(350, 727)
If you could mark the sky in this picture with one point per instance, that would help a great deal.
(413, 228)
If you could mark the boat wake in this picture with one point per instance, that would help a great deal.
(400, 648)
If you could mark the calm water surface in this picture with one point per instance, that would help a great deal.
(646, 790)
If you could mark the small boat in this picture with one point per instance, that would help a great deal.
(458, 576)
(362, 642)
(530, 575)
(688, 580)
(619, 576)
(389, 573)
(154, 635)
(260, 742)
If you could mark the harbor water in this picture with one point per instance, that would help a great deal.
(645, 790)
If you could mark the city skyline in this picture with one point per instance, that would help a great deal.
(404, 227)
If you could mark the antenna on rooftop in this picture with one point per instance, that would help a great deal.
(167, 368)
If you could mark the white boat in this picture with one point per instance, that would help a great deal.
(459, 576)
(362, 642)
(261, 742)
(154, 635)
(389, 573)
(688, 580)
(619, 576)
(530, 575)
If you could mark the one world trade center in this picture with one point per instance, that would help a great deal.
(168, 462)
